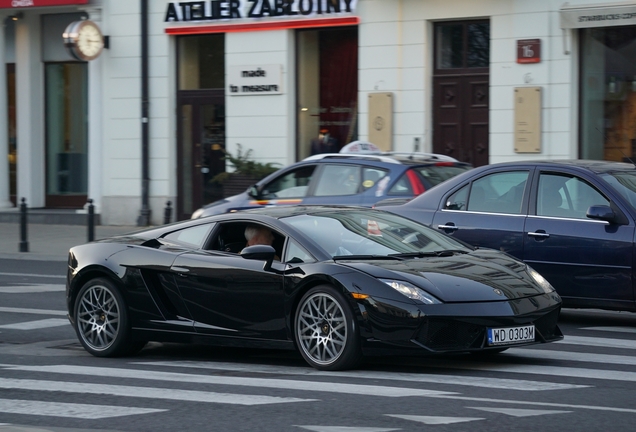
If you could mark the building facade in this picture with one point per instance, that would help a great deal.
(149, 122)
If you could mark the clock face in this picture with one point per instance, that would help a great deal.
(84, 40)
(89, 40)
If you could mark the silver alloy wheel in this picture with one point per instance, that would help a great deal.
(98, 317)
(322, 328)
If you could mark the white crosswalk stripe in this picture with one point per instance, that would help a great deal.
(27, 288)
(33, 311)
(143, 392)
(313, 386)
(500, 383)
(39, 324)
(72, 410)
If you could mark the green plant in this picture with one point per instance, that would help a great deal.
(243, 164)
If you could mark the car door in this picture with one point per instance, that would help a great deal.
(228, 295)
(338, 184)
(488, 211)
(585, 260)
(288, 188)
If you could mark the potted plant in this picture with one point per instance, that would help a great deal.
(246, 172)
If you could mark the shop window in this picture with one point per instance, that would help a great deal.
(608, 93)
(202, 62)
(463, 45)
(66, 128)
(327, 83)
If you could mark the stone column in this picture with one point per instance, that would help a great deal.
(30, 110)
(95, 113)
(5, 202)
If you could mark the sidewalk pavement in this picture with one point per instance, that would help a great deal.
(51, 242)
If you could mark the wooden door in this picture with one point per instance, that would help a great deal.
(461, 90)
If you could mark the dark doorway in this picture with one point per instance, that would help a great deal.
(13, 154)
(461, 90)
(66, 134)
(201, 145)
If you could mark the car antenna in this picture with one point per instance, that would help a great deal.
(624, 155)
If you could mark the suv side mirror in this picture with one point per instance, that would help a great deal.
(253, 191)
(602, 212)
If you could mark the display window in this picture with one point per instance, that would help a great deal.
(327, 89)
(608, 93)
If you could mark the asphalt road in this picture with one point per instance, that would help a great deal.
(49, 383)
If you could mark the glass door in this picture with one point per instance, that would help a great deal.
(66, 134)
(201, 133)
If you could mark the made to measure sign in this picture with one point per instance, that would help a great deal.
(255, 80)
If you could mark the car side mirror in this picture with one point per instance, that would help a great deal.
(253, 191)
(260, 253)
(601, 212)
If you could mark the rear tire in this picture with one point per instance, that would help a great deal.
(101, 320)
(326, 331)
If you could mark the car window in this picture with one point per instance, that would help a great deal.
(402, 187)
(457, 201)
(624, 183)
(338, 180)
(297, 254)
(435, 174)
(193, 236)
(498, 193)
(371, 176)
(566, 196)
(293, 184)
(232, 237)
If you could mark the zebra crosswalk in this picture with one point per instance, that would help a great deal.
(250, 384)
(520, 383)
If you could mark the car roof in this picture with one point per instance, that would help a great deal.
(596, 166)
(402, 158)
(285, 211)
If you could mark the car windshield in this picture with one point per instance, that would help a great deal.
(370, 233)
(436, 174)
(624, 183)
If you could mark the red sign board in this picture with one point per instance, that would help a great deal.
(13, 4)
(529, 51)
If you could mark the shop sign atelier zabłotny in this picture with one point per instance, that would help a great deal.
(214, 10)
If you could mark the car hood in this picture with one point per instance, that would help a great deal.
(482, 275)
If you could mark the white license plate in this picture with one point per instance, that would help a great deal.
(510, 335)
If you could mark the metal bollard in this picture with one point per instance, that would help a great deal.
(91, 221)
(24, 244)
(167, 213)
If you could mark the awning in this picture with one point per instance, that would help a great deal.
(13, 4)
(598, 15)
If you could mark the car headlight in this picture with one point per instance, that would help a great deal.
(411, 291)
(543, 283)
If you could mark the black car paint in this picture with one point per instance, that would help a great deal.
(169, 290)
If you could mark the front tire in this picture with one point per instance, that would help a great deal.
(326, 331)
(101, 320)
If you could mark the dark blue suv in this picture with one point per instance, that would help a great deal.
(343, 178)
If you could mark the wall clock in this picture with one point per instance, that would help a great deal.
(84, 40)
